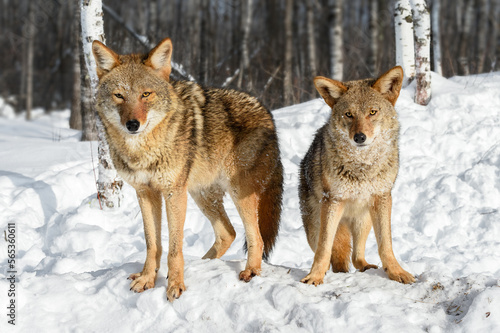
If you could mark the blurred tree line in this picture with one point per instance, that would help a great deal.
(270, 48)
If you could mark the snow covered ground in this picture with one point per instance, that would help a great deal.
(73, 259)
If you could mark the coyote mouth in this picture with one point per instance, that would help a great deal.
(362, 146)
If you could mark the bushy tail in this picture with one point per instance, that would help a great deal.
(270, 205)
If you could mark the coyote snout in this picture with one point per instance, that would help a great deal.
(361, 127)
(134, 109)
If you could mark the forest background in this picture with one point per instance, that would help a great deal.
(271, 49)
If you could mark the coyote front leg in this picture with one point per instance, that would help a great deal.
(176, 203)
(150, 203)
(331, 213)
(247, 206)
(381, 216)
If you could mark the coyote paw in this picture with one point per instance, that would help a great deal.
(367, 267)
(400, 275)
(249, 273)
(142, 282)
(312, 279)
(175, 290)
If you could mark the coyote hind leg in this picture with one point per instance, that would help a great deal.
(341, 249)
(210, 202)
(359, 237)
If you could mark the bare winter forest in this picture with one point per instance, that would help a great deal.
(272, 49)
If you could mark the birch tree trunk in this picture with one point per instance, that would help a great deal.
(463, 56)
(153, 21)
(494, 52)
(287, 82)
(235, 33)
(311, 40)
(89, 130)
(372, 61)
(336, 39)
(436, 37)
(203, 62)
(75, 119)
(108, 184)
(482, 34)
(29, 59)
(496, 44)
(246, 21)
(403, 25)
(195, 34)
(22, 89)
(422, 25)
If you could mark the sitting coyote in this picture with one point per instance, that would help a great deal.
(347, 175)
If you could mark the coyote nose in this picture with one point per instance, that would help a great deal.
(359, 138)
(133, 125)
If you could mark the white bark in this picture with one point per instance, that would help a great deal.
(109, 183)
(92, 29)
(403, 24)
(436, 37)
(336, 39)
(89, 130)
(422, 26)
(75, 119)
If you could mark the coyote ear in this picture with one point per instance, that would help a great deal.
(329, 89)
(159, 58)
(105, 58)
(389, 84)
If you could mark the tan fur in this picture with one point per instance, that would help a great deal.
(347, 175)
(170, 138)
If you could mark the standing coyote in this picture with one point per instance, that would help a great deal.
(168, 138)
(347, 175)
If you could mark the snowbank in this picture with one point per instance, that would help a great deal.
(6, 110)
(73, 259)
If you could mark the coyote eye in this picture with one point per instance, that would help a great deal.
(373, 112)
(348, 115)
(120, 96)
(146, 94)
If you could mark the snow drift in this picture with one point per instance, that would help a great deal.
(73, 259)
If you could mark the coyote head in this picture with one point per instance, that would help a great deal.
(133, 89)
(362, 109)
